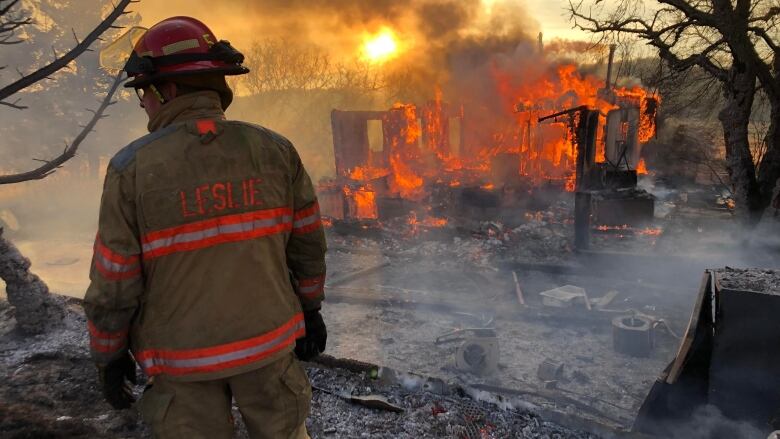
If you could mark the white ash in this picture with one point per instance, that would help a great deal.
(765, 281)
(426, 415)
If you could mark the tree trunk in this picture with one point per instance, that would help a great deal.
(739, 92)
(769, 169)
(35, 309)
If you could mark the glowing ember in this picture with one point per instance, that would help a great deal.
(651, 232)
(428, 221)
(571, 183)
(380, 47)
(434, 222)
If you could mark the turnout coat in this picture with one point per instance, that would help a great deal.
(209, 247)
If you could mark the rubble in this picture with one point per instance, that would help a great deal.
(427, 414)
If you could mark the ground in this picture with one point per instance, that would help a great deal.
(51, 391)
(394, 288)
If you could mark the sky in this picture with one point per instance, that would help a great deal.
(239, 20)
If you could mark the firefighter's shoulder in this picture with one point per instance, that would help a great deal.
(266, 133)
(126, 155)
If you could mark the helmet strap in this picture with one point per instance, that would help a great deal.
(157, 93)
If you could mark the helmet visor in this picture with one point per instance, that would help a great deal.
(115, 55)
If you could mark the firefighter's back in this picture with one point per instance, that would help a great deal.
(215, 211)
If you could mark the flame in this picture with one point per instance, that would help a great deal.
(364, 199)
(367, 173)
(648, 104)
(641, 168)
(380, 47)
(498, 143)
(405, 181)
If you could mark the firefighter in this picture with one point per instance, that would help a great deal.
(209, 258)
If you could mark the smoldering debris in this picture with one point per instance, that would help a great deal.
(426, 414)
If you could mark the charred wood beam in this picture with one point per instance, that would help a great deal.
(61, 62)
(51, 166)
(568, 112)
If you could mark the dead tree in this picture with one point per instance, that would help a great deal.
(718, 36)
(50, 166)
(763, 25)
(35, 309)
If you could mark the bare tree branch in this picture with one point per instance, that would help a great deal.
(63, 61)
(14, 104)
(70, 151)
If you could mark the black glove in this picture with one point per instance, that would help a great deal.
(114, 379)
(313, 343)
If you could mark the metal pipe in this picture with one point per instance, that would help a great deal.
(612, 48)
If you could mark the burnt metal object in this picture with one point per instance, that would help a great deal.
(582, 221)
(633, 207)
(744, 378)
(478, 353)
(728, 358)
(633, 335)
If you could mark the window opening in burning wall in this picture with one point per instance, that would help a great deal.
(375, 137)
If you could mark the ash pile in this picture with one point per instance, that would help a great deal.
(369, 405)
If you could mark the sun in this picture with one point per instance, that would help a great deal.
(380, 47)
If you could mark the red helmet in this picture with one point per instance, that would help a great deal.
(181, 46)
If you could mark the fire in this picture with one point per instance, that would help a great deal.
(405, 181)
(641, 168)
(648, 105)
(380, 47)
(364, 199)
(497, 142)
(367, 173)
(405, 151)
(428, 221)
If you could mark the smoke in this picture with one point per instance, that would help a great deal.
(338, 26)
(708, 422)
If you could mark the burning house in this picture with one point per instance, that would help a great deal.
(446, 160)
